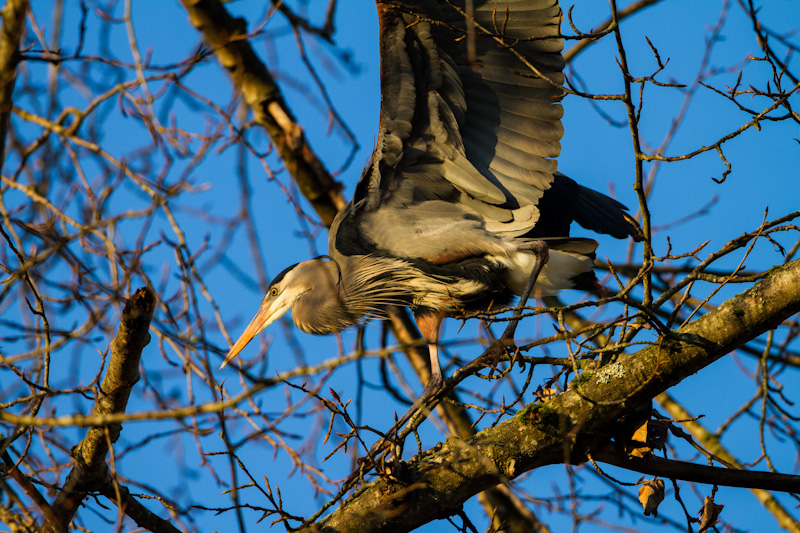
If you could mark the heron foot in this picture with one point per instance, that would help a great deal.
(500, 348)
(434, 386)
(394, 439)
(506, 341)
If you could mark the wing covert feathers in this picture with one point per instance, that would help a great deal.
(464, 162)
(484, 124)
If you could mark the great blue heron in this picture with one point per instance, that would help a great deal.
(460, 202)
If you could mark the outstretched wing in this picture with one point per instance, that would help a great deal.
(470, 126)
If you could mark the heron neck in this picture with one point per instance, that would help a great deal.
(325, 308)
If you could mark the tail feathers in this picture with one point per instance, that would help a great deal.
(586, 281)
(576, 255)
(567, 201)
(575, 245)
(569, 266)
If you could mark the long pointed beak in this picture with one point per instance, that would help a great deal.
(262, 319)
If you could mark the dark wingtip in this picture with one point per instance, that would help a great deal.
(597, 212)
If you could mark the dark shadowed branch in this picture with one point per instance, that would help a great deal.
(712, 443)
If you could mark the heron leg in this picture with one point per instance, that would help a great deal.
(429, 324)
(540, 250)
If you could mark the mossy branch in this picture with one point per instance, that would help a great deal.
(437, 483)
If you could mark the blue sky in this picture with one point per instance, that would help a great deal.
(599, 155)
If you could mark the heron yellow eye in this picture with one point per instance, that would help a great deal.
(273, 291)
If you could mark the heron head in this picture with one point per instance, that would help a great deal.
(282, 293)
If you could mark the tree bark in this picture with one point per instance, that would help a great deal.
(13, 25)
(90, 472)
(227, 36)
(437, 483)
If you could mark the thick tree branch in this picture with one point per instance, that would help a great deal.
(225, 34)
(437, 483)
(90, 472)
(13, 24)
(710, 475)
(228, 37)
(502, 504)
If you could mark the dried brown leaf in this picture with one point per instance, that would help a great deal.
(651, 494)
(652, 434)
(710, 514)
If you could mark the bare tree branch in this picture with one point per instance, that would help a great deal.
(710, 475)
(111, 181)
(90, 472)
(583, 44)
(713, 444)
(437, 483)
(13, 14)
(228, 38)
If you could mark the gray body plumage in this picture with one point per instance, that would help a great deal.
(463, 168)
(462, 178)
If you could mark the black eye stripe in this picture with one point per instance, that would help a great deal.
(282, 275)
